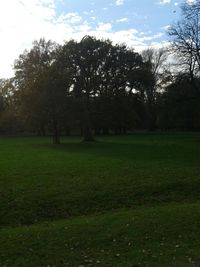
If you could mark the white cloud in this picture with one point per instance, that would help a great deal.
(131, 37)
(20, 23)
(71, 18)
(191, 2)
(28, 20)
(166, 27)
(164, 2)
(104, 27)
(122, 20)
(82, 28)
(119, 2)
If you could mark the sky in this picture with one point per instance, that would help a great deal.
(137, 23)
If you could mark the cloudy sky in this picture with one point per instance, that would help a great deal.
(138, 23)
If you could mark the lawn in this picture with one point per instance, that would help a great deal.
(121, 201)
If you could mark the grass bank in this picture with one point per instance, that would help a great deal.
(121, 201)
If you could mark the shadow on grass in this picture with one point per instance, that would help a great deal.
(134, 150)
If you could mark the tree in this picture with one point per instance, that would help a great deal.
(155, 73)
(185, 36)
(9, 116)
(84, 60)
(179, 105)
(104, 78)
(42, 86)
(104, 86)
(118, 75)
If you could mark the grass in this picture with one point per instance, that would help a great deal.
(121, 201)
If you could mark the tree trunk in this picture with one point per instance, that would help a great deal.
(41, 131)
(124, 130)
(152, 117)
(67, 131)
(97, 131)
(105, 131)
(116, 131)
(87, 129)
(87, 134)
(56, 135)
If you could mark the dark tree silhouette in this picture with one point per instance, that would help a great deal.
(185, 35)
(42, 86)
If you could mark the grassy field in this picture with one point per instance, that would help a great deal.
(122, 201)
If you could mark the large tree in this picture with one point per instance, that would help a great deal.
(84, 60)
(42, 86)
(185, 35)
(102, 85)
(103, 79)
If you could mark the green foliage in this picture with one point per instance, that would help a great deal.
(9, 115)
(42, 85)
(59, 85)
(94, 86)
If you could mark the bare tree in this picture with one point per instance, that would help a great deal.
(185, 36)
(156, 72)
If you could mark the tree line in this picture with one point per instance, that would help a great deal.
(94, 87)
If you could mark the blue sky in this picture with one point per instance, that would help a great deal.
(138, 23)
(143, 15)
